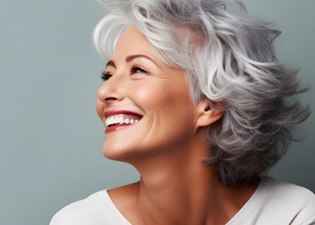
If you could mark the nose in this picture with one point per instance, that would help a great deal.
(111, 90)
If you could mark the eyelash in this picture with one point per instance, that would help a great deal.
(137, 67)
(106, 75)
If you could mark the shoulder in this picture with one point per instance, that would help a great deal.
(287, 192)
(287, 200)
(83, 212)
(97, 209)
(276, 202)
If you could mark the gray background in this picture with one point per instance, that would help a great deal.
(50, 136)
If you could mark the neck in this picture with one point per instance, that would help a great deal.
(177, 187)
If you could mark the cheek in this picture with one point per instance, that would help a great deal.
(158, 94)
(169, 103)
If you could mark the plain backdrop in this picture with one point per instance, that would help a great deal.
(50, 136)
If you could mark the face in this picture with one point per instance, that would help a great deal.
(144, 103)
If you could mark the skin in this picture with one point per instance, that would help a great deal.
(167, 146)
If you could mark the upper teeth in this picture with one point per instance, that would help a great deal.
(111, 120)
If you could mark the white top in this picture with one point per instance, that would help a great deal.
(273, 203)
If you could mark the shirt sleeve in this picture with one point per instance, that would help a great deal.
(83, 212)
(306, 216)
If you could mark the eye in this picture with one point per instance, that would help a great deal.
(105, 75)
(137, 69)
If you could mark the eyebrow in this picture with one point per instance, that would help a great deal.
(128, 59)
(131, 57)
(111, 63)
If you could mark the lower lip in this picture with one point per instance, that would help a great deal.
(116, 128)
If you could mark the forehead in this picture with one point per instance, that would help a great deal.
(132, 41)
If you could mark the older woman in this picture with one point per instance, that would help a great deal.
(195, 99)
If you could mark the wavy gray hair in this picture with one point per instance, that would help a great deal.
(229, 59)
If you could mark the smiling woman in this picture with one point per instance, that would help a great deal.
(141, 87)
(195, 99)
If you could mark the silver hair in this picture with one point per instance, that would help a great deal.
(229, 59)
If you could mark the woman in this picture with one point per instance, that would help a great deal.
(195, 99)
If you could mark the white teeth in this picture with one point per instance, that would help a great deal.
(112, 120)
(120, 120)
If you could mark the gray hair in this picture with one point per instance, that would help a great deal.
(229, 59)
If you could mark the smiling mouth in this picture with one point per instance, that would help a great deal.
(122, 120)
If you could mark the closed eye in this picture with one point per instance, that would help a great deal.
(105, 75)
(137, 69)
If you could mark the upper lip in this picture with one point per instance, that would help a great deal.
(119, 112)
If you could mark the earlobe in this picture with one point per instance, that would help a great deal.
(207, 113)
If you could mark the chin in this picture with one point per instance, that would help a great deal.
(113, 154)
(118, 154)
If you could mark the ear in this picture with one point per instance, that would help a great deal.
(207, 114)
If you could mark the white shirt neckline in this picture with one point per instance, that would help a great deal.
(238, 217)
(104, 200)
